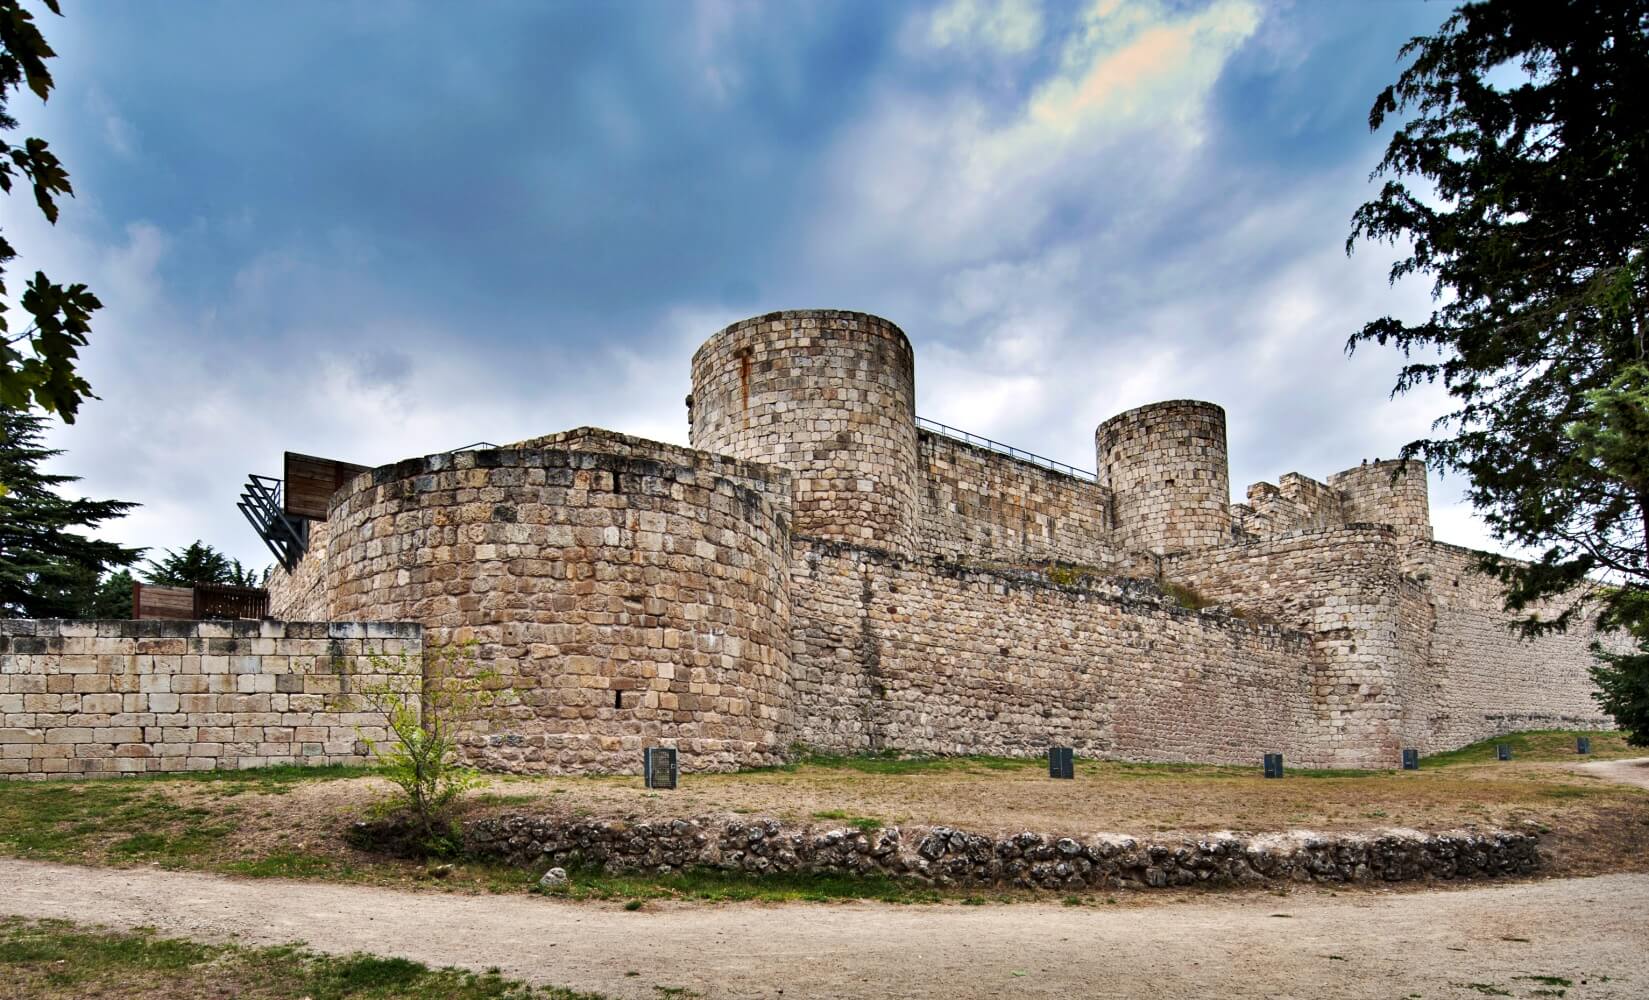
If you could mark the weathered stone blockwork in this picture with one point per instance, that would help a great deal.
(1482, 680)
(1343, 588)
(937, 657)
(1421, 661)
(119, 697)
(633, 594)
(828, 395)
(1166, 464)
(975, 503)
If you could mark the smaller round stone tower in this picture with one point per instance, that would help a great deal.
(829, 395)
(1166, 466)
(1391, 492)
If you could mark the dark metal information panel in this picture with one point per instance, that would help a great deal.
(1583, 744)
(1503, 751)
(1273, 765)
(1061, 762)
(658, 766)
(1411, 760)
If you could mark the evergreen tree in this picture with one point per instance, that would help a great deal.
(113, 597)
(198, 563)
(47, 569)
(1530, 214)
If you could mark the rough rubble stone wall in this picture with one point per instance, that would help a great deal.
(943, 856)
(628, 600)
(831, 397)
(980, 504)
(1485, 680)
(1344, 588)
(121, 697)
(937, 657)
(302, 595)
(1372, 495)
(1166, 466)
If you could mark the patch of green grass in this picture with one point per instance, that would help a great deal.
(1186, 597)
(864, 824)
(1487, 989)
(1568, 792)
(134, 821)
(712, 885)
(57, 960)
(132, 818)
(292, 864)
(1533, 745)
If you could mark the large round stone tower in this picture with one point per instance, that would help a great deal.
(1166, 466)
(828, 395)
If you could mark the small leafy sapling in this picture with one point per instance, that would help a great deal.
(423, 702)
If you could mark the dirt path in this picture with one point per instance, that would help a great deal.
(1356, 945)
(1633, 771)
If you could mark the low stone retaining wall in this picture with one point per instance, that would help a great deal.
(942, 856)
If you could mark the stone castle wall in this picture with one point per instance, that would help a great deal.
(1423, 661)
(627, 596)
(1295, 503)
(1341, 587)
(1483, 680)
(303, 595)
(1166, 465)
(936, 657)
(817, 569)
(975, 503)
(1387, 492)
(125, 697)
(829, 396)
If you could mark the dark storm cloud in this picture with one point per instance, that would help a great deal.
(379, 229)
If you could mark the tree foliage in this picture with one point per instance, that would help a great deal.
(1529, 212)
(47, 569)
(199, 563)
(37, 363)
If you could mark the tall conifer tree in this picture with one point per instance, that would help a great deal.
(1528, 156)
(47, 568)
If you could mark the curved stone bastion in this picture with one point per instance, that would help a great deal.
(628, 593)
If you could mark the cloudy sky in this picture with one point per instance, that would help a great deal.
(381, 229)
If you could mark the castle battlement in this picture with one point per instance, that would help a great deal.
(819, 567)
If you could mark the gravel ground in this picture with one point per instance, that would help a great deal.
(1631, 772)
(1309, 944)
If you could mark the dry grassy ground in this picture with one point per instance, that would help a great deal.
(288, 822)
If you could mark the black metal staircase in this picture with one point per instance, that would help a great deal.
(287, 537)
